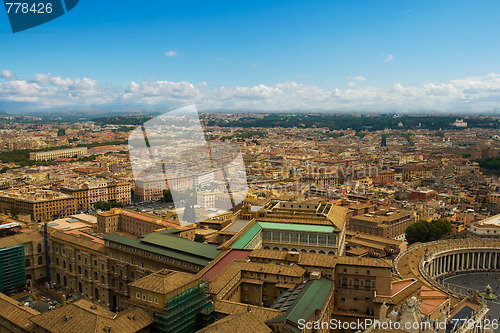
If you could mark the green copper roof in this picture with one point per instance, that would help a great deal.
(247, 237)
(254, 230)
(302, 301)
(169, 247)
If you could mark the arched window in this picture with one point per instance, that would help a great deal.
(64, 263)
(39, 247)
(344, 282)
(57, 261)
(284, 249)
(95, 276)
(70, 268)
(39, 260)
(356, 283)
(368, 283)
(276, 248)
(102, 279)
(312, 251)
(80, 270)
(27, 263)
(322, 252)
(86, 273)
(96, 293)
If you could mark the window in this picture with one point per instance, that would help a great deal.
(285, 237)
(40, 261)
(25, 250)
(246, 286)
(355, 298)
(150, 299)
(303, 238)
(343, 299)
(156, 300)
(367, 272)
(313, 239)
(138, 295)
(27, 263)
(143, 297)
(79, 257)
(39, 247)
(294, 237)
(276, 236)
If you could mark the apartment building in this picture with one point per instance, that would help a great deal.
(41, 204)
(176, 300)
(297, 226)
(132, 258)
(390, 223)
(139, 224)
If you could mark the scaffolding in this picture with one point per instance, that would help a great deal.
(12, 269)
(185, 312)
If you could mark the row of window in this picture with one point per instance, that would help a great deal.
(146, 298)
(299, 238)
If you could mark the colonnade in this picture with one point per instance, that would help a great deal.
(467, 260)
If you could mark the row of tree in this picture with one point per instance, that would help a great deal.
(423, 231)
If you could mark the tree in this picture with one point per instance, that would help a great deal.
(423, 231)
(14, 211)
(103, 205)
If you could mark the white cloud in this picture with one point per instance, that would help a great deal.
(170, 54)
(6, 74)
(360, 78)
(389, 58)
(45, 91)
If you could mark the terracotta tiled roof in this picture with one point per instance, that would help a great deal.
(163, 281)
(85, 317)
(17, 314)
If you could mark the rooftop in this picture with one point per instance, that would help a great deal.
(163, 281)
(302, 301)
(86, 317)
(164, 244)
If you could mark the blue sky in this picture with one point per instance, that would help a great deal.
(262, 55)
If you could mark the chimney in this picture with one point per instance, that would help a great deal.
(63, 299)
